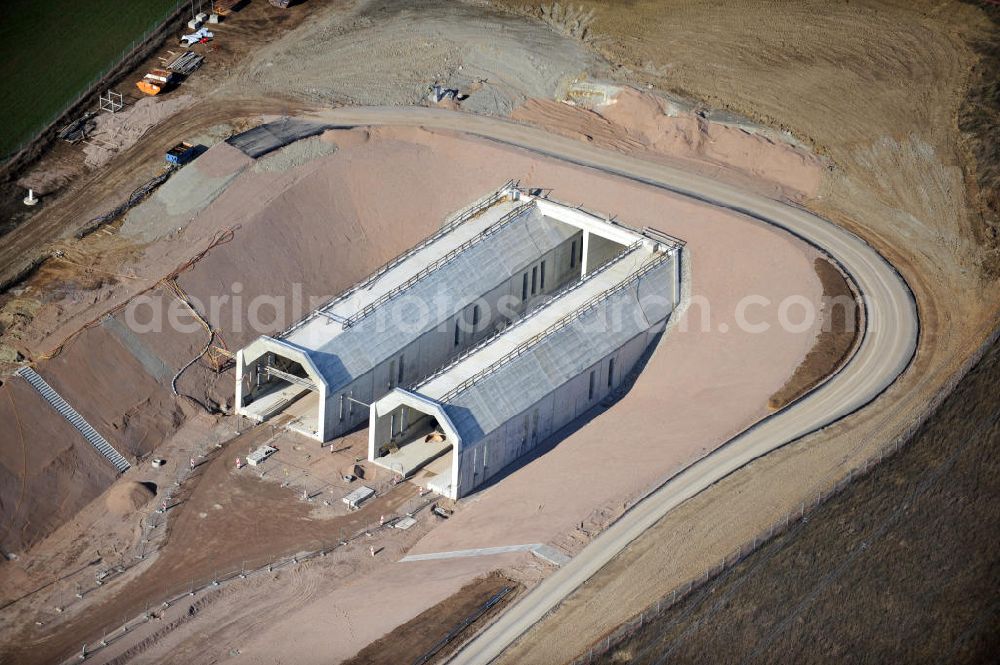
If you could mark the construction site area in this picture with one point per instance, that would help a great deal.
(469, 332)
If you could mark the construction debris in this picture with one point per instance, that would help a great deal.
(77, 130)
(223, 7)
(198, 37)
(181, 154)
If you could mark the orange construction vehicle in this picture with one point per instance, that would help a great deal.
(156, 81)
(224, 7)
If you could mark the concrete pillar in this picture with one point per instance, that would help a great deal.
(321, 416)
(678, 257)
(239, 381)
(372, 422)
(586, 252)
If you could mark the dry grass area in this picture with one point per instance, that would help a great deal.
(840, 326)
(416, 638)
(860, 575)
(977, 119)
(875, 86)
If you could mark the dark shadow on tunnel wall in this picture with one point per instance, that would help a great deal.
(557, 437)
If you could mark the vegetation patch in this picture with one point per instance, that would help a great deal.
(51, 52)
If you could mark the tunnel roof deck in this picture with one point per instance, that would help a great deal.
(472, 260)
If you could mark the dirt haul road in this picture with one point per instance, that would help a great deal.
(888, 344)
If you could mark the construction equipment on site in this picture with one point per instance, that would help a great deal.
(181, 154)
(352, 472)
(283, 4)
(75, 419)
(439, 93)
(224, 7)
(442, 512)
(112, 102)
(156, 81)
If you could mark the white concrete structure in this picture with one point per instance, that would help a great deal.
(481, 271)
(484, 271)
(497, 402)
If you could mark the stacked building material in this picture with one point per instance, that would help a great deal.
(186, 63)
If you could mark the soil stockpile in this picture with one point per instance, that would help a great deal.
(127, 497)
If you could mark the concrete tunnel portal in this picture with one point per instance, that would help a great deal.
(443, 400)
(274, 378)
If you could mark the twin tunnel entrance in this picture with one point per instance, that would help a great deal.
(322, 377)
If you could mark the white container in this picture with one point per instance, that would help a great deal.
(213, 18)
(258, 456)
(194, 24)
(201, 17)
(358, 496)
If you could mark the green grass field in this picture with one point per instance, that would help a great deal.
(53, 49)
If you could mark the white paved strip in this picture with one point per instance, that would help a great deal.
(480, 551)
(551, 554)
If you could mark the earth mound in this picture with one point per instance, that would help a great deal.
(125, 498)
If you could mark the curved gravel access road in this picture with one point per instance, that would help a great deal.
(886, 348)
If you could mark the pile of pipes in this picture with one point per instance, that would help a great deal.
(79, 128)
(186, 63)
(137, 196)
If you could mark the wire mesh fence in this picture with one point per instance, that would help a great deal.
(198, 586)
(90, 88)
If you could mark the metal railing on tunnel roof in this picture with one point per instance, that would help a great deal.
(450, 224)
(540, 307)
(606, 218)
(558, 325)
(509, 217)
